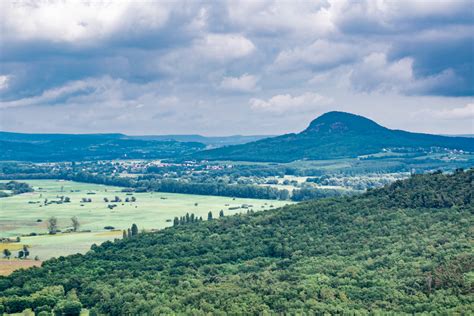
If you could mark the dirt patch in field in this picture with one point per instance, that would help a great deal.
(12, 246)
(110, 233)
(8, 266)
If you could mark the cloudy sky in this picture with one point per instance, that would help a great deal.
(234, 67)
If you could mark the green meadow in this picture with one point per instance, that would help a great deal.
(27, 213)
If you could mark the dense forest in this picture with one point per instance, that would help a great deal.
(406, 248)
(335, 135)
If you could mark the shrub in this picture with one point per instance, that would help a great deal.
(43, 310)
(68, 308)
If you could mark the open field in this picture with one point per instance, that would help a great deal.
(8, 266)
(27, 213)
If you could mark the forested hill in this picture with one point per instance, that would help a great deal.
(77, 147)
(335, 135)
(395, 249)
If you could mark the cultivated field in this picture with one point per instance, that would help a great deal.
(27, 213)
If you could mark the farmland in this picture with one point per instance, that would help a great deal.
(28, 213)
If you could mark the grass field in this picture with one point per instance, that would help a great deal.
(27, 213)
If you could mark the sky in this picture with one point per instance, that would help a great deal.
(234, 67)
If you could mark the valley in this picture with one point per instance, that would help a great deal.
(227, 230)
(26, 215)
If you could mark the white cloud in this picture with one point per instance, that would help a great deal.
(224, 47)
(466, 112)
(244, 83)
(389, 16)
(103, 90)
(73, 21)
(376, 73)
(50, 94)
(298, 18)
(320, 54)
(4, 82)
(286, 102)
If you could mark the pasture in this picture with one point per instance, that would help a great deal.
(28, 213)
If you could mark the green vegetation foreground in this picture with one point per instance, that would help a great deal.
(403, 248)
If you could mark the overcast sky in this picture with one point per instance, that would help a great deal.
(234, 67)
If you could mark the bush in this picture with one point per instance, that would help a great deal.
(43, 310)
(68, 308)
(45, 301)
(17, 304)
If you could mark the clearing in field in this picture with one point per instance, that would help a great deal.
(24, 214)
(8, 266)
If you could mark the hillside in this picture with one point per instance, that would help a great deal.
(212, 141)
(334, 135)
(75, 147)
(404, 248)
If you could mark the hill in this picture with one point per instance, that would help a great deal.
(212, 141)
(405, 248)
(334, 135)
(76, 147)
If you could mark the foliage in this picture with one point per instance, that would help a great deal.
(15, 187)
(377, 252)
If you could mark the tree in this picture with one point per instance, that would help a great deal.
(26, 252)
(129, 233)
(68, 307)
(124, 234)
(176, 221)
(134, 230)
(209, 216)
(21, 254)
(67, 199)
(75, 223)
(221, 213)
(7, 253)
(52, 225)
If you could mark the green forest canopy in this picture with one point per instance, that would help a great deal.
(404, 248)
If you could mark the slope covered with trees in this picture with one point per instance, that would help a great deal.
(334, 135)
(404, 248)
(71, 147)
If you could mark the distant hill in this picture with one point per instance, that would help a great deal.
(76, 147)
(57, 147)
(214, 141)
(334, 135)
(404, 249)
